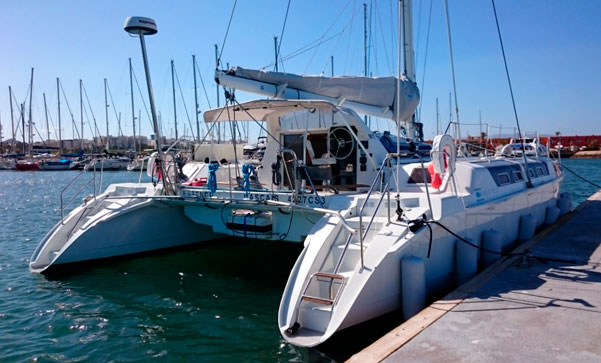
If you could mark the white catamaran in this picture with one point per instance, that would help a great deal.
(386, 221)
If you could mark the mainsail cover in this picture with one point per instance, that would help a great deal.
(374, 93)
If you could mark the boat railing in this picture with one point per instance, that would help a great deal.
(65, 205)
(384, 166)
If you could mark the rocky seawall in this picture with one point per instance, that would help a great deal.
(587, 154)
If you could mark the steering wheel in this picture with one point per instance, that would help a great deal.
(342, 143)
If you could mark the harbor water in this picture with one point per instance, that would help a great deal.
(208, 302)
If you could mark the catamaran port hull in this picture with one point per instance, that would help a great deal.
(112, 226)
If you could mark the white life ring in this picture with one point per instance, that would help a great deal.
(443, 154)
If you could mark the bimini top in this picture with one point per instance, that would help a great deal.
(260, 110)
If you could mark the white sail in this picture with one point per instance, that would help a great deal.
(367, 95)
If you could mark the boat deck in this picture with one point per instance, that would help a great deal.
(517, 310)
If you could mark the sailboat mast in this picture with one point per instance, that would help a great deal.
(133, 111)
(23, 125)
(196, 99)
(46, 112)
(106, 116)
(60, 135)
(365, 46)
(12, 118)
(275, 47)
(408, 58)
(437, 118)
(218, 105)
(81, 112)
(174, 104)
(30, 114)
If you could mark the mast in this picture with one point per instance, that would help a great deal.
(275, 47)
(23, 125)
(365, 45)
(106, 116)
(81, 112)
(60, 138)
(174, 104)
(30, 113)
(437, 118)
(195, 98)
(46, 112)
(133, 111)
(218, 105)
(408, 59)
(12, 119)
(332, 64)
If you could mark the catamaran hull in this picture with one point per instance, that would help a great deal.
(113, 229)
(376, 289)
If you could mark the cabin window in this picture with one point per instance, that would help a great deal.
(539, 171)
(503, 178)
(417, 176)
(517, 175)
(531, 172)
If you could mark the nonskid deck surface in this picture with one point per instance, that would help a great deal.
(520, 310)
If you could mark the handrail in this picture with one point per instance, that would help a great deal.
(63, 205)
(376, 180)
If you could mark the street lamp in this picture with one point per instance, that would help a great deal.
(140, 26)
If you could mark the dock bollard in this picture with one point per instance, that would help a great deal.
(527, 227)
(551, 215)
(413, 285)
(491, 240)
(466, 260)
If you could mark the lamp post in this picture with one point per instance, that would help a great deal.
(140, 26)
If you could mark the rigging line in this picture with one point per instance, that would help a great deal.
(339, 35)
(323, 36)
(143, 100)
(515, 111)
(114, 108)
(184, 102)
(419, 31)
(73, 123)
(348, 45)
(203, 86)
(92, 113)
(85, 111)
(383, 37)
(448, 21)
(257, 122)
(303, 49)
(282, 32)
(425, 61)
(580, 177)
(226, 33)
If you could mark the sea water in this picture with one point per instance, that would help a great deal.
(209, 302)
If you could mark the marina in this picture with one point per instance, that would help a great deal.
(305, 215)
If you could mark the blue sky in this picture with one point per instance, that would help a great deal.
(553, 49)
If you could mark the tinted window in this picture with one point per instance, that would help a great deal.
(417, 176)
(503, 178)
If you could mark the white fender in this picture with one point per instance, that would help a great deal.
(443, 154)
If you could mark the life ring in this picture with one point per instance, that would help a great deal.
(443, 156)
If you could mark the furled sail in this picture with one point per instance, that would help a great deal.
(366, 95)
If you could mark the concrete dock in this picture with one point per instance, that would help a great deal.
(545, 308)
